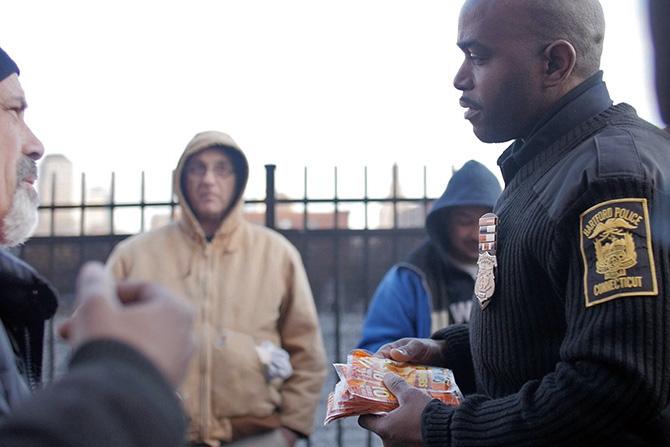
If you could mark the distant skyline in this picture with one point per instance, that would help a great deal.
(123, 86)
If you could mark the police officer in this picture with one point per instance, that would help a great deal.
(571, 346)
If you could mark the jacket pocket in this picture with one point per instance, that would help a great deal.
(239, 386)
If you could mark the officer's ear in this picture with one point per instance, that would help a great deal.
(560, 58)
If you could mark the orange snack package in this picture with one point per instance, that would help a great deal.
(361, 388)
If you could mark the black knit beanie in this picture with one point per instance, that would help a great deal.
(7, 65)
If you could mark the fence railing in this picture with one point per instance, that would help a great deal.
(61, 217)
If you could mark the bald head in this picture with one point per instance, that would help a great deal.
(580, 22)
(521, 57)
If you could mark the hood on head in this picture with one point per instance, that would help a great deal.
(206, 140)
(472, 185)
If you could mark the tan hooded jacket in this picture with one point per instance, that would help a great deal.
(248, 286)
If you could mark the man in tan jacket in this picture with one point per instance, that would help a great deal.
(260, 366)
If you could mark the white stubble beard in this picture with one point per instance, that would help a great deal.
(21, 219)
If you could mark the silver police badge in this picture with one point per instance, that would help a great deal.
(485, 283)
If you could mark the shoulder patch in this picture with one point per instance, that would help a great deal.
(616, 251)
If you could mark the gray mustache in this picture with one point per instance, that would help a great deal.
(26, 168)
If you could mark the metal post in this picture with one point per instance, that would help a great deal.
(82, 204)
(111, 204)
(142, 203)
(270, 200)
(52, 223)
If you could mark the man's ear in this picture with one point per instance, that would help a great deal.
(560, 58)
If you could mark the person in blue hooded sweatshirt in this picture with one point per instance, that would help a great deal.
(433, 286)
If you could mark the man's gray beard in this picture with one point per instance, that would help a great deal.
(21, 220)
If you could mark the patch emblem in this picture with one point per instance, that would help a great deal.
(616, 250)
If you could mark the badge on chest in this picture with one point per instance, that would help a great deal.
(485, 283)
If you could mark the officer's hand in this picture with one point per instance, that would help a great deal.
(423, 351)
(402, 426)
(145, 316)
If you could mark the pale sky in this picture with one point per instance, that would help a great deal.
(123, 85)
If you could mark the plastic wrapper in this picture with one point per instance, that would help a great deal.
(361, 388)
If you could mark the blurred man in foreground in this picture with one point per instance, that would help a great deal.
(132, 342)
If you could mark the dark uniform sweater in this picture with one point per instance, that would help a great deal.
(574, 347)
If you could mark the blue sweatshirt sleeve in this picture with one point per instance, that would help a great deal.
(399, 308)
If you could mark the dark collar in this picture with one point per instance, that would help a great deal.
(585, 101)
(24, 294)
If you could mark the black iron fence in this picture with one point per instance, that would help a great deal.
(344, 265)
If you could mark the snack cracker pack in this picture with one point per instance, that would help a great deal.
(361, 388)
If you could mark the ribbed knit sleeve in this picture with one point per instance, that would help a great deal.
(459, 358)
(435, 422)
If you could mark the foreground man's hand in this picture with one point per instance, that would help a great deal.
(145, 316)
(290, 436)
(402, 426)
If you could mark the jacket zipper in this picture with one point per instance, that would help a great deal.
(31, 375)
(205, 358)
